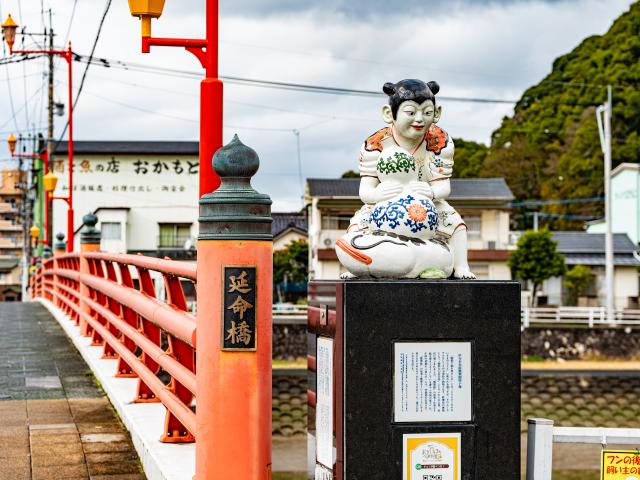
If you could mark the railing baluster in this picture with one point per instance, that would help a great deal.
(129, 316)
(114, 306)
(174, 430)
(152, 332)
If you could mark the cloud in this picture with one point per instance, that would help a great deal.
(473, 49)
(359, 10)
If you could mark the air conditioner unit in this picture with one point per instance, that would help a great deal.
(328, 238)
(491, 245)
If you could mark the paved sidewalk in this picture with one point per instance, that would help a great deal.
(55, 423)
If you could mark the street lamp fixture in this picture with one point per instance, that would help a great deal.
(34, 232)
(9, 28)
(146, 10)
(50, 180)
(206, 51)
(12, 143)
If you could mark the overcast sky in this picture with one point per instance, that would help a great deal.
(481, 48)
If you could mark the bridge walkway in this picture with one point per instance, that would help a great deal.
(55, 421)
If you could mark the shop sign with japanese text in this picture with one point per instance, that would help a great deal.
(620, 465)
(239, 308)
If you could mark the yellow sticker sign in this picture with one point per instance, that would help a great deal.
(620, 465)
(431, 456)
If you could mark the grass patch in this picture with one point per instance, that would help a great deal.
(298, 363)
(576, 475)
(532, 358)
(289, 476)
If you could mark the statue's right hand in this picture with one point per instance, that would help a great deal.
(387, 190)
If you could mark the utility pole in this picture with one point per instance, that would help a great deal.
(603, 115)
(50, 132)
(24, 214)
(296, 132)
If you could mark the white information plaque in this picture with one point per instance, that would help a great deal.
(432, 382)
(324, 402)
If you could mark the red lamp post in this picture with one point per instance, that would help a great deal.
(44, 156)
(206, 51)
(9, 30)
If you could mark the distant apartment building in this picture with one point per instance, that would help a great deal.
(484, 203)
(11, 235)
(145, 194)
(625, 203)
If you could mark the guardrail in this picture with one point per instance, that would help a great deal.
(578, 316)
(152, 340)
(297, 315)
(541, 436)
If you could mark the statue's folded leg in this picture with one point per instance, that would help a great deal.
(380, 255)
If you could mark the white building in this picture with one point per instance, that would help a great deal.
(484, 203)
(582, 248)
(144, 193)
(625, 203)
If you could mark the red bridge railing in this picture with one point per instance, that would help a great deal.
(112, 298)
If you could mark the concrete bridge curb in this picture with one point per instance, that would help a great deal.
(161, 461)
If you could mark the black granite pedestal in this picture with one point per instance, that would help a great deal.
(372, 323)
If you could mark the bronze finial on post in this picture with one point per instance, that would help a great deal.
(90, 235)
(60, 247)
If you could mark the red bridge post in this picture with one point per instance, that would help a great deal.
(234, 282)
(89, 242)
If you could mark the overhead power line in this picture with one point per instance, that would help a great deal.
(84, 75)
(110, 63)
(565, 216)
(535, 203)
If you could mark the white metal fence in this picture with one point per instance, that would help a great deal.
(542, 435)
(289, 314)
(578, 316)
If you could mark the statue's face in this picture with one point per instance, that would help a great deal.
(412, 120)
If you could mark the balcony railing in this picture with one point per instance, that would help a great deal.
(174, 241)
(7, 208)
(7, 226)
(10, 244)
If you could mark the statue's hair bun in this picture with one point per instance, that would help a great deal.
(434, 87)
(389, 88)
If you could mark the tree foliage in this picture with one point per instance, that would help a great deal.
(577, 280)
(549, 148)
(291, 262)
(350, 174)
(469, 158)
(536, 259)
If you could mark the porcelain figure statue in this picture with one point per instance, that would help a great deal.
(406, 228)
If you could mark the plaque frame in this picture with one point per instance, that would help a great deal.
(472, 355)
(223, 307)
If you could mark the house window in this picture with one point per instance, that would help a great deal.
(474, 225)
(174, 235)
(111, 230)
(335, 222)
